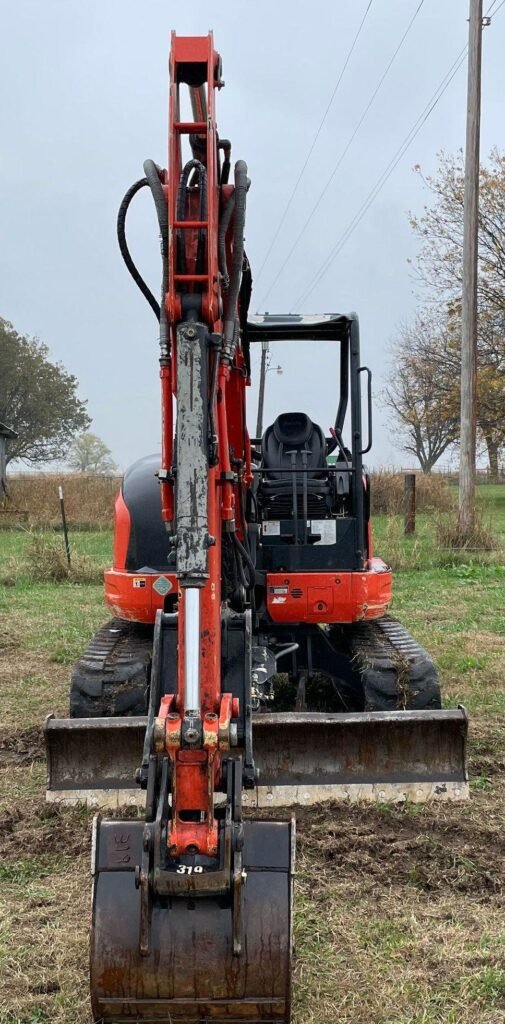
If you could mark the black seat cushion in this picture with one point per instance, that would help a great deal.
(293, 432)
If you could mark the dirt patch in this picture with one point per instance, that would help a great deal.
(21, 746)
(398, 910)
(45, 988)
(9, 639)
(401, 907)
(32, 827)
(485, 641)
(486, 754)
(435, 848)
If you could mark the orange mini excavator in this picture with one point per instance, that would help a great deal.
(250, 659)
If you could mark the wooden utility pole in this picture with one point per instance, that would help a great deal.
(261, 396)
(470, 255)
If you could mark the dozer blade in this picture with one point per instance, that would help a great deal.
(94, 760)
(375, 756)
(303, 758)
(179, 966)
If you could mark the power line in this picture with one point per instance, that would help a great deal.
(343, 153)
(381, 181)
(388, 170)
(313, 143)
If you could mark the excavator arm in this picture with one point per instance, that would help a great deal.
(192, 908)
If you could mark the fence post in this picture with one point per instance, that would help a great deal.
(64, 522)
(410, 502)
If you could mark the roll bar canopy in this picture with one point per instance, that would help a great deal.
(295, 327)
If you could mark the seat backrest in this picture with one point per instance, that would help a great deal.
(293, 432)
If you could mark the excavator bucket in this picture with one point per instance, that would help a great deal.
(301, 757)
(192, 959)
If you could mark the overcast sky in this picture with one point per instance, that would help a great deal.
(84, 101)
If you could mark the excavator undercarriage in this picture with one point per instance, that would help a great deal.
(251, 661)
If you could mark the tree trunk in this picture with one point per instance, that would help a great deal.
(492, 453)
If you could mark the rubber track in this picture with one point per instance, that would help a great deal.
(112, 676)
(395, 671)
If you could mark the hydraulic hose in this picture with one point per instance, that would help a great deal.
(225, 146)
(152, 173)
(224, 224)
(245, 580)
(153, 179)
(201, 174)
(213, 441)
(246, 558)
(241, 186)
(125, 252)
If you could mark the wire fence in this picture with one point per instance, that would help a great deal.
(34, 497)
(451, 473)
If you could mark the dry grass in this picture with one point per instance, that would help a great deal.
(89, 499)
(44, 560)
(400, 915)
(479, 538)
(387, 490)
(392, 546)
(44, 907)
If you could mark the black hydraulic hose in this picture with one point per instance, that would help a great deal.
(152, 173)
(247, 559)
(125, 252)
(243, 515)
(246, 583)
(212, 419)
(224, 224)
(225, 146)
(246, 549)
(201, 174)
(244, 301)
(241, 186)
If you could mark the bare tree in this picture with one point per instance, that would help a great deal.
(440, 230)
(439, 268)
(424, 382)
(421, 394)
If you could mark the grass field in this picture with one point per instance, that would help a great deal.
(400, 911)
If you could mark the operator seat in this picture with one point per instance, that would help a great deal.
(294, 442)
